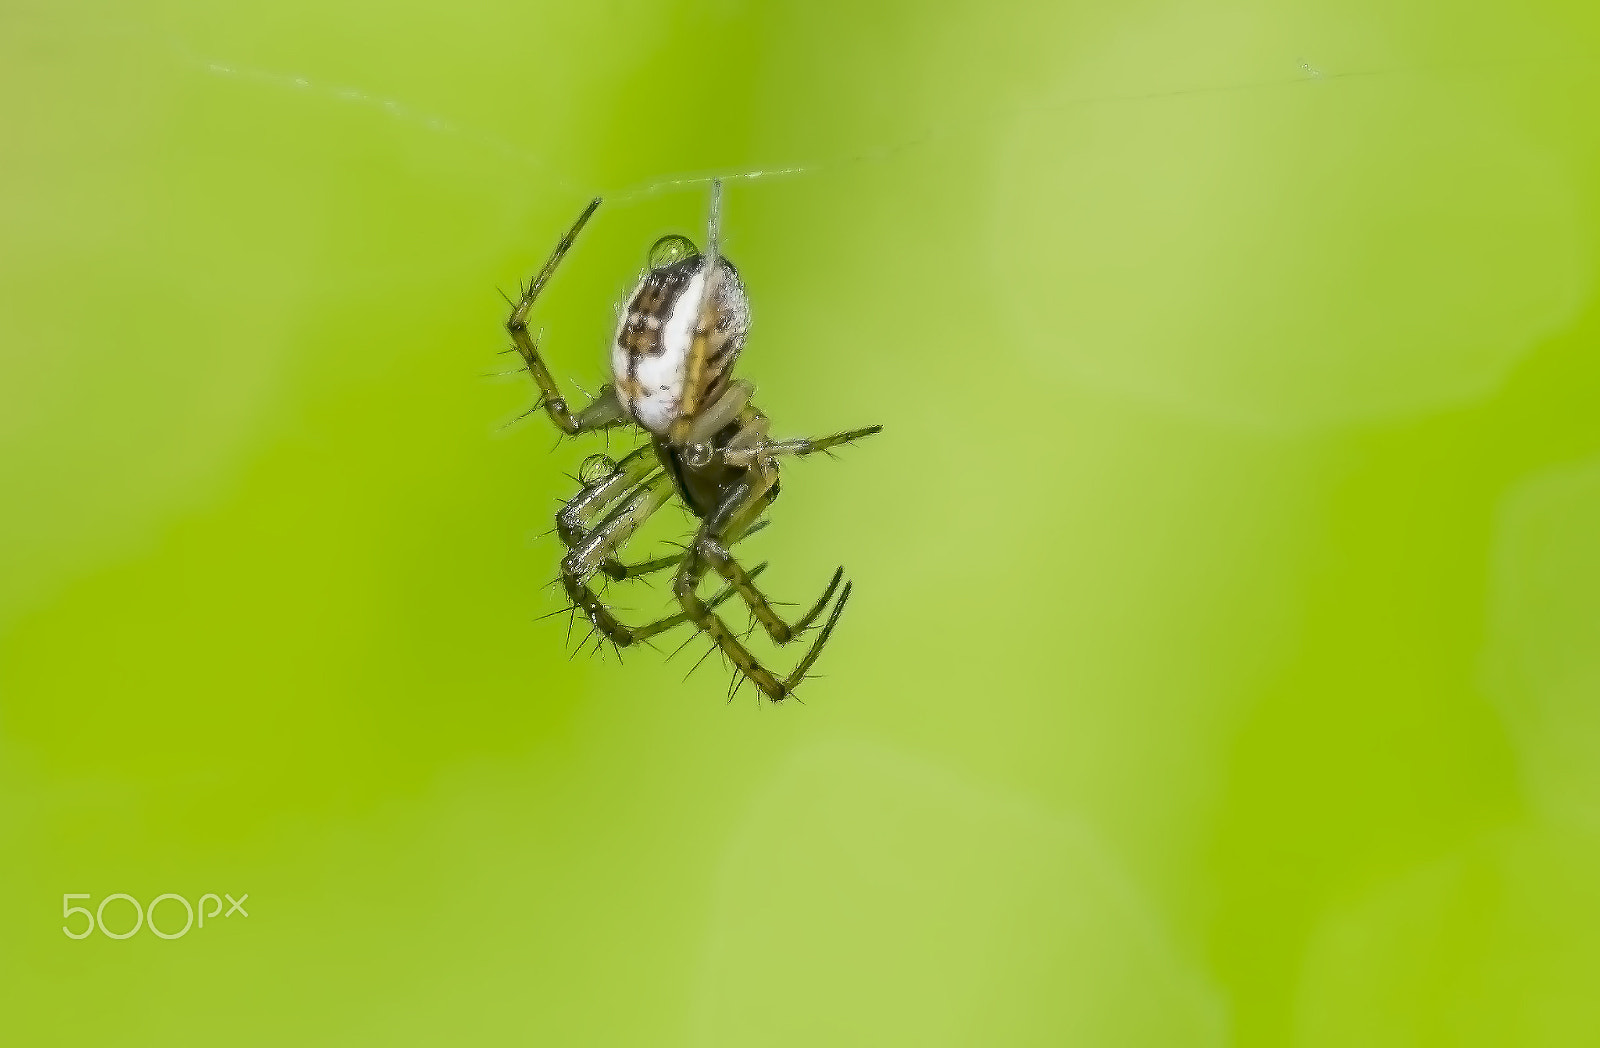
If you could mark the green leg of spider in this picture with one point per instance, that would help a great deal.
(585, 600)
(600, 546)
(604, 410)
(750, 445)
(743, 508)
(618, 571)
(575, 521)
(577, 516)
(713, 554)
(746, 500)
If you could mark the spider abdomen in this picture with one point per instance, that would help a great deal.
(650, 356)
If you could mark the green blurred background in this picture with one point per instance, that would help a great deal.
(1224, 661)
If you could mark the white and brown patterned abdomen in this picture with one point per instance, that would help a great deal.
(650, 354)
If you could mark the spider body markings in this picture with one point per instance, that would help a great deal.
(672, 363)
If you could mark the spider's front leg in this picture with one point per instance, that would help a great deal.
(575, 521)
(750, 446)
(596, 549)
(605, 410)
(709, 552)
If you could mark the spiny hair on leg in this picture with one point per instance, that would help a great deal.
(736, 683)
(714, 647)
(537, 405)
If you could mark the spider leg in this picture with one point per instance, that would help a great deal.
(727, 407)
(600, 545)
(705, 325)
(661, 625)
(585, 557)
(717, 557)
(618, 570)
(748, 498)
(604, 410)
(750, 445)
(742, 507)
(574, 521)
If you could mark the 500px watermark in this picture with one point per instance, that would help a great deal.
(145, 916)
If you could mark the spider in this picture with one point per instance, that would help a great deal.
(671, 366)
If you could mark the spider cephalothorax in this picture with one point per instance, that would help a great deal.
(672, 364)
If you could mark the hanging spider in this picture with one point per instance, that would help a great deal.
(671, 365)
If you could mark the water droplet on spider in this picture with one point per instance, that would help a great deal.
(671, 248)
(596, 468)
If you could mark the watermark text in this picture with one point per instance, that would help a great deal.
(124, 925)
